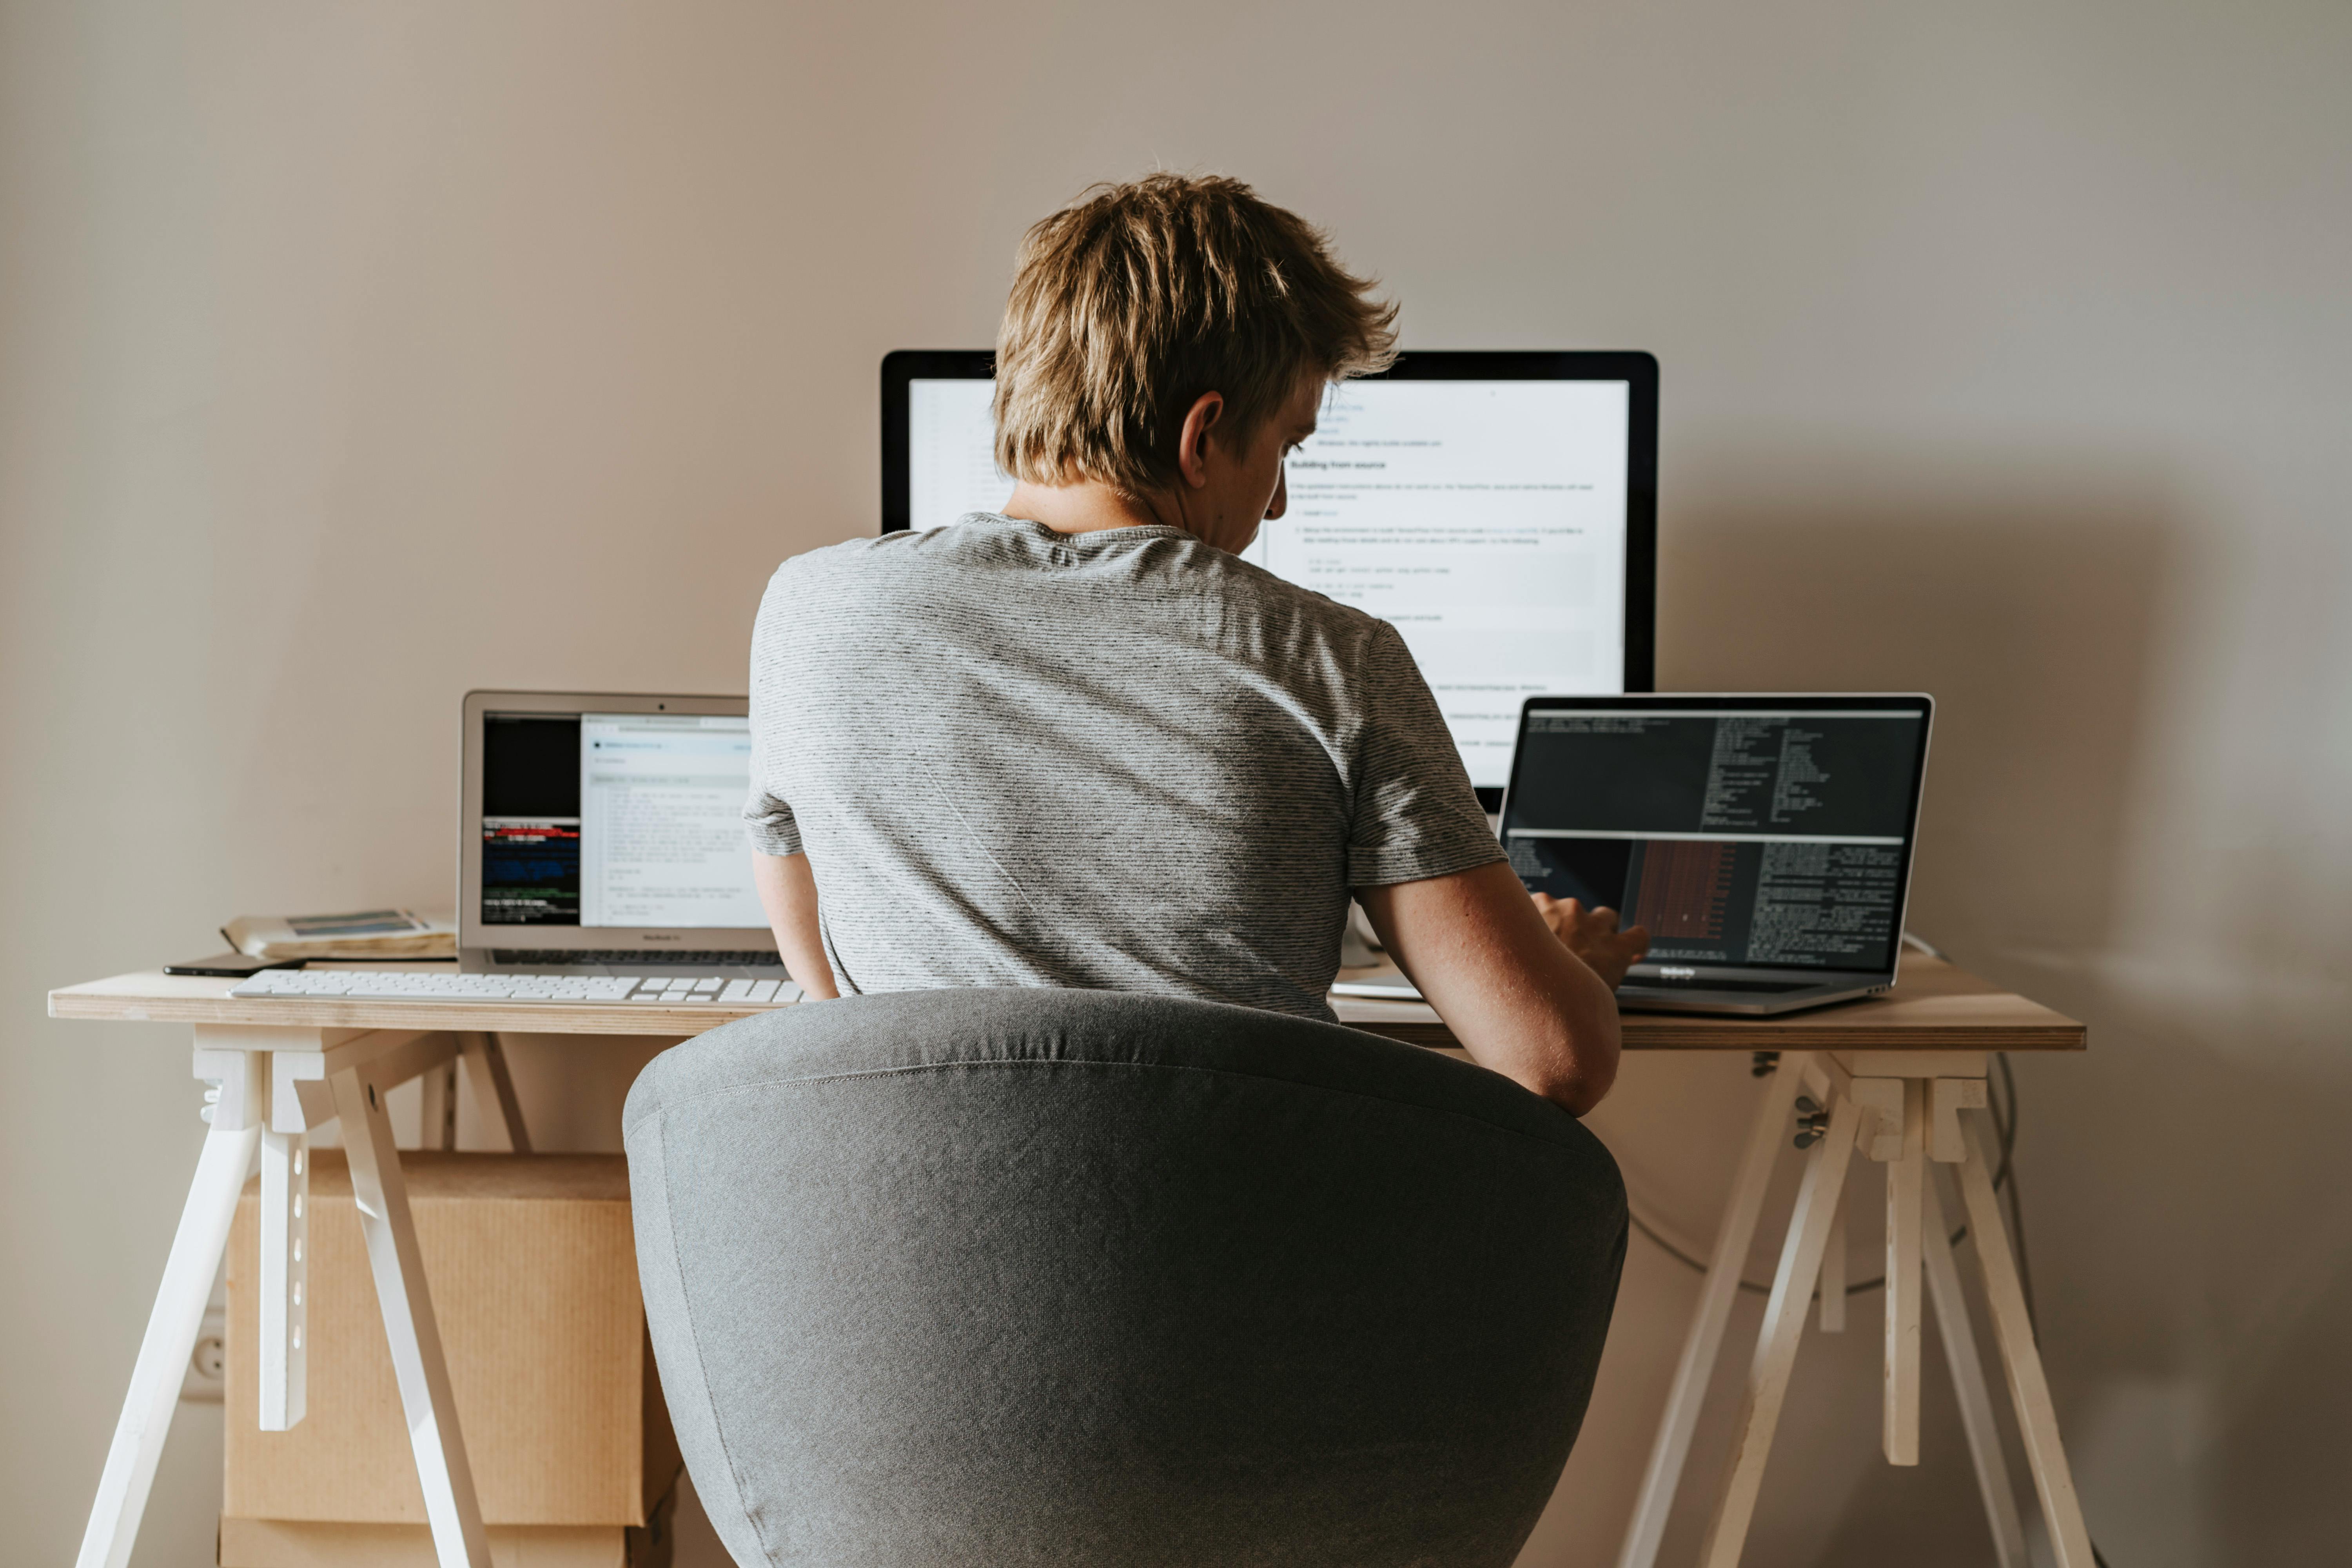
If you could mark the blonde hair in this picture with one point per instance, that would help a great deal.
(1130, 304)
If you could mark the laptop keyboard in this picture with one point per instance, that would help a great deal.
(631, 957)
(412, 985)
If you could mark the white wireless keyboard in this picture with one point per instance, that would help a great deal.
(412, 985)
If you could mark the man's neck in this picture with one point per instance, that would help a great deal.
(1084, 508)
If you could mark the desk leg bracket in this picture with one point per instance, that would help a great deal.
(285, 1277)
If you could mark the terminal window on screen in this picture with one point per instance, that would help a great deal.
(1747, 838)
(1486, 520)
(616, 820)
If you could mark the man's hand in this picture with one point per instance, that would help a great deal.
(1593, 935)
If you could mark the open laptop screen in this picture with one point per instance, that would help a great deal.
(1752, 833)
(616, 820)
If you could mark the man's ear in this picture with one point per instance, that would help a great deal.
(1192, 445)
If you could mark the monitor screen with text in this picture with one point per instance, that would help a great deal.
(616, 820)
(1486, 520)
(1747, 837)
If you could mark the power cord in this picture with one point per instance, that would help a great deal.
(2007, 1130)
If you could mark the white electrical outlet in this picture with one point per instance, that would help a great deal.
(206, 1379)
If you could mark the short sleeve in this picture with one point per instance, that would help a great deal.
(768, 820)
(769, 824)
(1416, 815)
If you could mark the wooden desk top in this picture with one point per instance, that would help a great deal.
(1935, 1008)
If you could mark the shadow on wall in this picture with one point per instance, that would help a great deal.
(2198, 1241)
(2195, 1283)
(2029, 610)
(2028, 613)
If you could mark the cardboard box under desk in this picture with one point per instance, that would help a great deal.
(533, 1274)
(310, 1543)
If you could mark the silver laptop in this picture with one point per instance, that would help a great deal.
(1765, 841)
(602, 833)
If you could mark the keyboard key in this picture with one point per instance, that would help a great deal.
(763, 989)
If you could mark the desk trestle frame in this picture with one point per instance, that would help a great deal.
(272, 1088)
(1901, 1110)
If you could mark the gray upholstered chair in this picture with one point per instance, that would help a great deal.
(981, 1277)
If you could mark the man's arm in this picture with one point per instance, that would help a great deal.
(788, 893)
(1518, 1000)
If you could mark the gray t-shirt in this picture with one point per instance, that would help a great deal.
(1123, 760)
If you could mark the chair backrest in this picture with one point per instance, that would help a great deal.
(1058, 1277)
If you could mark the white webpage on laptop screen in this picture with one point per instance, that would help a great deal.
(661, 821)
(1486, 520)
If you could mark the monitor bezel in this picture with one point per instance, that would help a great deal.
(1686, 702)
(476, 937)
(1638, 370)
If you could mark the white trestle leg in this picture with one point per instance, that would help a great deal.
(1765, 1137)
(2037, 1417)
(418, 1366)
(178, 1314)
(1969, 1383)
(1784, 1325)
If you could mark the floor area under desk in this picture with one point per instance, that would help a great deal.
(695, 1544)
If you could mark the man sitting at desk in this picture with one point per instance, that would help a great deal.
(1081, 742)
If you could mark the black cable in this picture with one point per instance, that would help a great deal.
(2016, 1211)
(1684, 1258)
(2004, 1124)
(1859, 1288)
(1679, 1255)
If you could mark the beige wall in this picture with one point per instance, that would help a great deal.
(352, 355)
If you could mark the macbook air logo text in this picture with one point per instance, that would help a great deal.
(1677, 971)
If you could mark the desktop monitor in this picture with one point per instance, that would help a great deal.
(1500, 509)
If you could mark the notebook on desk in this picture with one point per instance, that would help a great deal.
(1765, 841)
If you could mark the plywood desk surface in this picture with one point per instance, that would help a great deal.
(1935, 1008)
